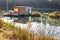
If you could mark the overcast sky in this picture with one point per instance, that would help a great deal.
(33, 3)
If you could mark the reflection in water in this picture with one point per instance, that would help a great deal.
(39, 25)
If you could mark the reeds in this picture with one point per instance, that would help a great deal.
(22, 34)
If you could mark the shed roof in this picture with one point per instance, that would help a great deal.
(23, 6)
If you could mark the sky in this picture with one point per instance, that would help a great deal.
(34, 3)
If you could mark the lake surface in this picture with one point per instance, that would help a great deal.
(40, 23)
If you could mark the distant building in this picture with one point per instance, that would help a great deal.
(22, 9)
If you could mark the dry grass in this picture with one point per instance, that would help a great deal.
(9, 32)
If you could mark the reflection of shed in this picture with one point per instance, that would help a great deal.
(22, 9)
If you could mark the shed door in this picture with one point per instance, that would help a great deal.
(22, 10)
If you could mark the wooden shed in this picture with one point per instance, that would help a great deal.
(22, 9)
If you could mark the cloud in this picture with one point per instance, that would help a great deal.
(34, 3)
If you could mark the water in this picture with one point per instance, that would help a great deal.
(39, 25)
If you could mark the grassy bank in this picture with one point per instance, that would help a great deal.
(9, 32)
